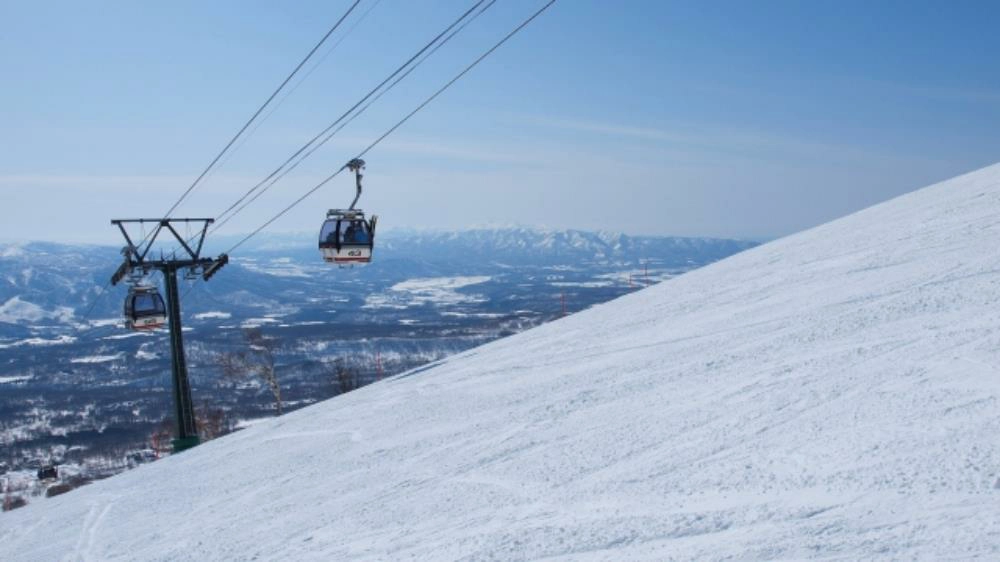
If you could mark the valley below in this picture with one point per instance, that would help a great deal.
(80, 392)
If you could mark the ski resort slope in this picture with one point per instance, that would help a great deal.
(829, 395)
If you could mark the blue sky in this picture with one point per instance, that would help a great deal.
(734, 119)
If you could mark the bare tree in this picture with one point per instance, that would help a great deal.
(160, 438)
(213, 422)
(257, 360)
(345, 379)
(12, 502)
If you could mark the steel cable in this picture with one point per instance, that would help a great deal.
(397, 125)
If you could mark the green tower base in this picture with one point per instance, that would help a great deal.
(185, 443)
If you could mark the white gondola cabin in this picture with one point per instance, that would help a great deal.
(144, 308)
(346, 237)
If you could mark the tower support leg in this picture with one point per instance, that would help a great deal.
(186, 426)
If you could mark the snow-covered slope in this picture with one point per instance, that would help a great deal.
(833, 394)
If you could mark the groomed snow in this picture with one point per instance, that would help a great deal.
(257, 322)
(130, 335)
(438, 291)
(97, 358)
(830, 395)
(214, 314)
(145, 355)
(58, 340)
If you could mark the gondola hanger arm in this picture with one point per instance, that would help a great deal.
(356, 165)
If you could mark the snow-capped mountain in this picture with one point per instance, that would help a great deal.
(517, 245)
(45, 283)
(829, 395)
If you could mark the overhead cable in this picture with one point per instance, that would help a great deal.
(260, 109)
(396, 126)
(221, 217)
(295, 87)
(350, 119)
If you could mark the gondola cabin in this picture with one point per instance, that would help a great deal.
(144, 309)
(346, 237)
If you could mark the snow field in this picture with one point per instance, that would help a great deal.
(830, 395)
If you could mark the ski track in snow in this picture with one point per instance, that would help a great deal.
(88, 534)
(830, 395)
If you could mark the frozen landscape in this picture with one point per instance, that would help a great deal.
(832, 395)
(78, 389)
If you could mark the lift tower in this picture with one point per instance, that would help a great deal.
(139, 262)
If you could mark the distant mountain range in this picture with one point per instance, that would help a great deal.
(47, 285)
